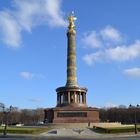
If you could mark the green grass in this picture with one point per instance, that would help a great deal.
(116, 129)
(24, 130)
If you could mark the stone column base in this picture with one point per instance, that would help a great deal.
(72, 115)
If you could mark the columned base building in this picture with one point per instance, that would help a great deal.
(71, 99)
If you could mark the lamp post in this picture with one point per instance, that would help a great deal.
(5, 111)
(135, 116)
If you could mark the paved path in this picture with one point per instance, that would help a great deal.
(70, 132)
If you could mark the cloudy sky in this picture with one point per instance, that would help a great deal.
(33, 47)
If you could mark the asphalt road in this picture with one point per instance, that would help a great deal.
(66, 138)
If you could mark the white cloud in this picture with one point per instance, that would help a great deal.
(132, 72)
(10, 30)
(124, 53)
(92, 40)
(93, 57)
(110, 33)
(110, 105)
(54, 13)
(119, 54)
(26, 14)
(35, 100)
(28, 75)
(105, 37)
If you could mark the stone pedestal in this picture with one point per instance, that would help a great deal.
(72, 115)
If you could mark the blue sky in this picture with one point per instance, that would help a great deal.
(33, 47)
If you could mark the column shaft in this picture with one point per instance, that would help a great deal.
(68, 97)
(79, 97)
(71, 60)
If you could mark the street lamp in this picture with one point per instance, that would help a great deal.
(135, 116)
(5, 111)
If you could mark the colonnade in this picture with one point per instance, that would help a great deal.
(69, 97)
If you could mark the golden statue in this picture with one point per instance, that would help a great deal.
(71, 20)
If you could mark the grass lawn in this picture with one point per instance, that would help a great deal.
(24, 130)
(121, 129)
